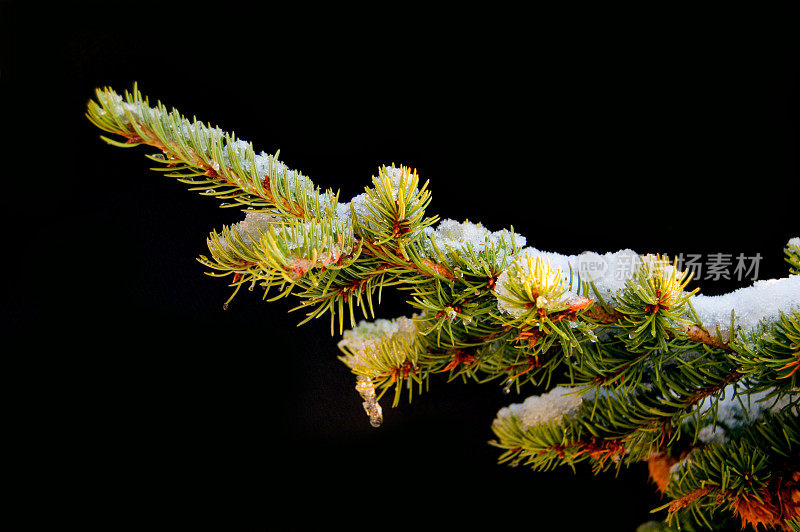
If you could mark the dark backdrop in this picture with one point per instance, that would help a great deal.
(136, 399)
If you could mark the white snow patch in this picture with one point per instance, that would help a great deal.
(549, 407)
(737, 408)
(711, 434)
(761, 302)
(451, 235)
(368, 335)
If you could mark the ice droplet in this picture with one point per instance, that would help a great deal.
(366, 389)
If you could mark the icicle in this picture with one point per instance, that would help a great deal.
(365, 387)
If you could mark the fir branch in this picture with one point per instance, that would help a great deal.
(757, 475)
(649, 366)
(205, 157)
(770, 354)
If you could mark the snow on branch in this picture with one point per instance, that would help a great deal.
(618, 328)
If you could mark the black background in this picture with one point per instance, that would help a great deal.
(135, 399)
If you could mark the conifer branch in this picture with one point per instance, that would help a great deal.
(637, 367)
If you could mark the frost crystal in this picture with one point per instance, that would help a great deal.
(458, 236)
(262, 165)
(548, 407)
(235, 150)
(118, 107)
(360, 205)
